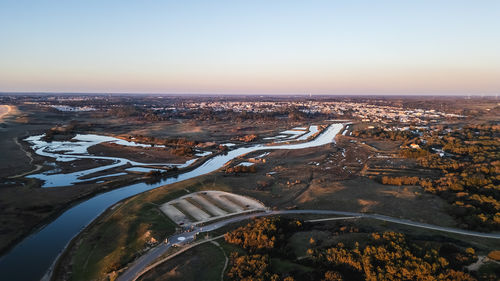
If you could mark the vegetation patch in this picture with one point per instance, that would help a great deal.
(265, 249)
(468, 159)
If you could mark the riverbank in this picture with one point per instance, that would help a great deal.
(82, 246)
(28, 208)
(74, 194)
(54, 237)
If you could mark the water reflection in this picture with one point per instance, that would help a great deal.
(37, 252)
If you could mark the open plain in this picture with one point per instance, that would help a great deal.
(153, 166)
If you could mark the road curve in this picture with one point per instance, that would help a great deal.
(137, 268)
(394, 220)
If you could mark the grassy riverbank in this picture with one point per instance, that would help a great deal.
(120, 234)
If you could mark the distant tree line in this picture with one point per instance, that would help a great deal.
(147, 114)
(381, 133)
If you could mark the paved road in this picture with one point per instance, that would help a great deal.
(137, 268)
(133, 271)
(393, 220)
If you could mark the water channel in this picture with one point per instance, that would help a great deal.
(32, 257)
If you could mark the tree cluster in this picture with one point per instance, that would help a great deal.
(372, 256)
(470, 172)
(177, 146)
(241, 169)
(382, 133)
(247, 138)
(388, 256)
(400, 180)
(261, 238)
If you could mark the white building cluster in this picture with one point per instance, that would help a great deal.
(362, 111)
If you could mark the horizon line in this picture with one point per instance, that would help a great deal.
(248, 94)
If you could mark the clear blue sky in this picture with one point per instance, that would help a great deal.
(319, 47)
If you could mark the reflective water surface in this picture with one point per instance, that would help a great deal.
(32, 257)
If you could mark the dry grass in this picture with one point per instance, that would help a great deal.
(203, 262)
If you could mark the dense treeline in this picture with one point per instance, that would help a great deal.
(400, 180)
(262, 234)
(470, 176)
(413, 153)
(372, 256)
(241, 169)
(391, 256)
(261, 238)
(145, 114)
(177, 142)
(246, 138)
(177, 146)
(381, 133)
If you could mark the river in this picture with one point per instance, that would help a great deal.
(32, 257)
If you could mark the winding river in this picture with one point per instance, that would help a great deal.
(32, 257)
(77, 148)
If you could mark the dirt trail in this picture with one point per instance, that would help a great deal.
(480, 261)
(30, 156)
(304, 189)
(226, 259)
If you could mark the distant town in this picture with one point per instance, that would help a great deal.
(155, 187)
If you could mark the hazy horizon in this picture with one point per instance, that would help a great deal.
(251, 48)
(254, 94)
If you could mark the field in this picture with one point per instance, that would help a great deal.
(204, 262)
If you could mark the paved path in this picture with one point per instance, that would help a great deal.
(393, 220)
(141, 265)
(332, 219)
(136, 269)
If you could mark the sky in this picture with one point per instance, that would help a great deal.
(251, 47)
